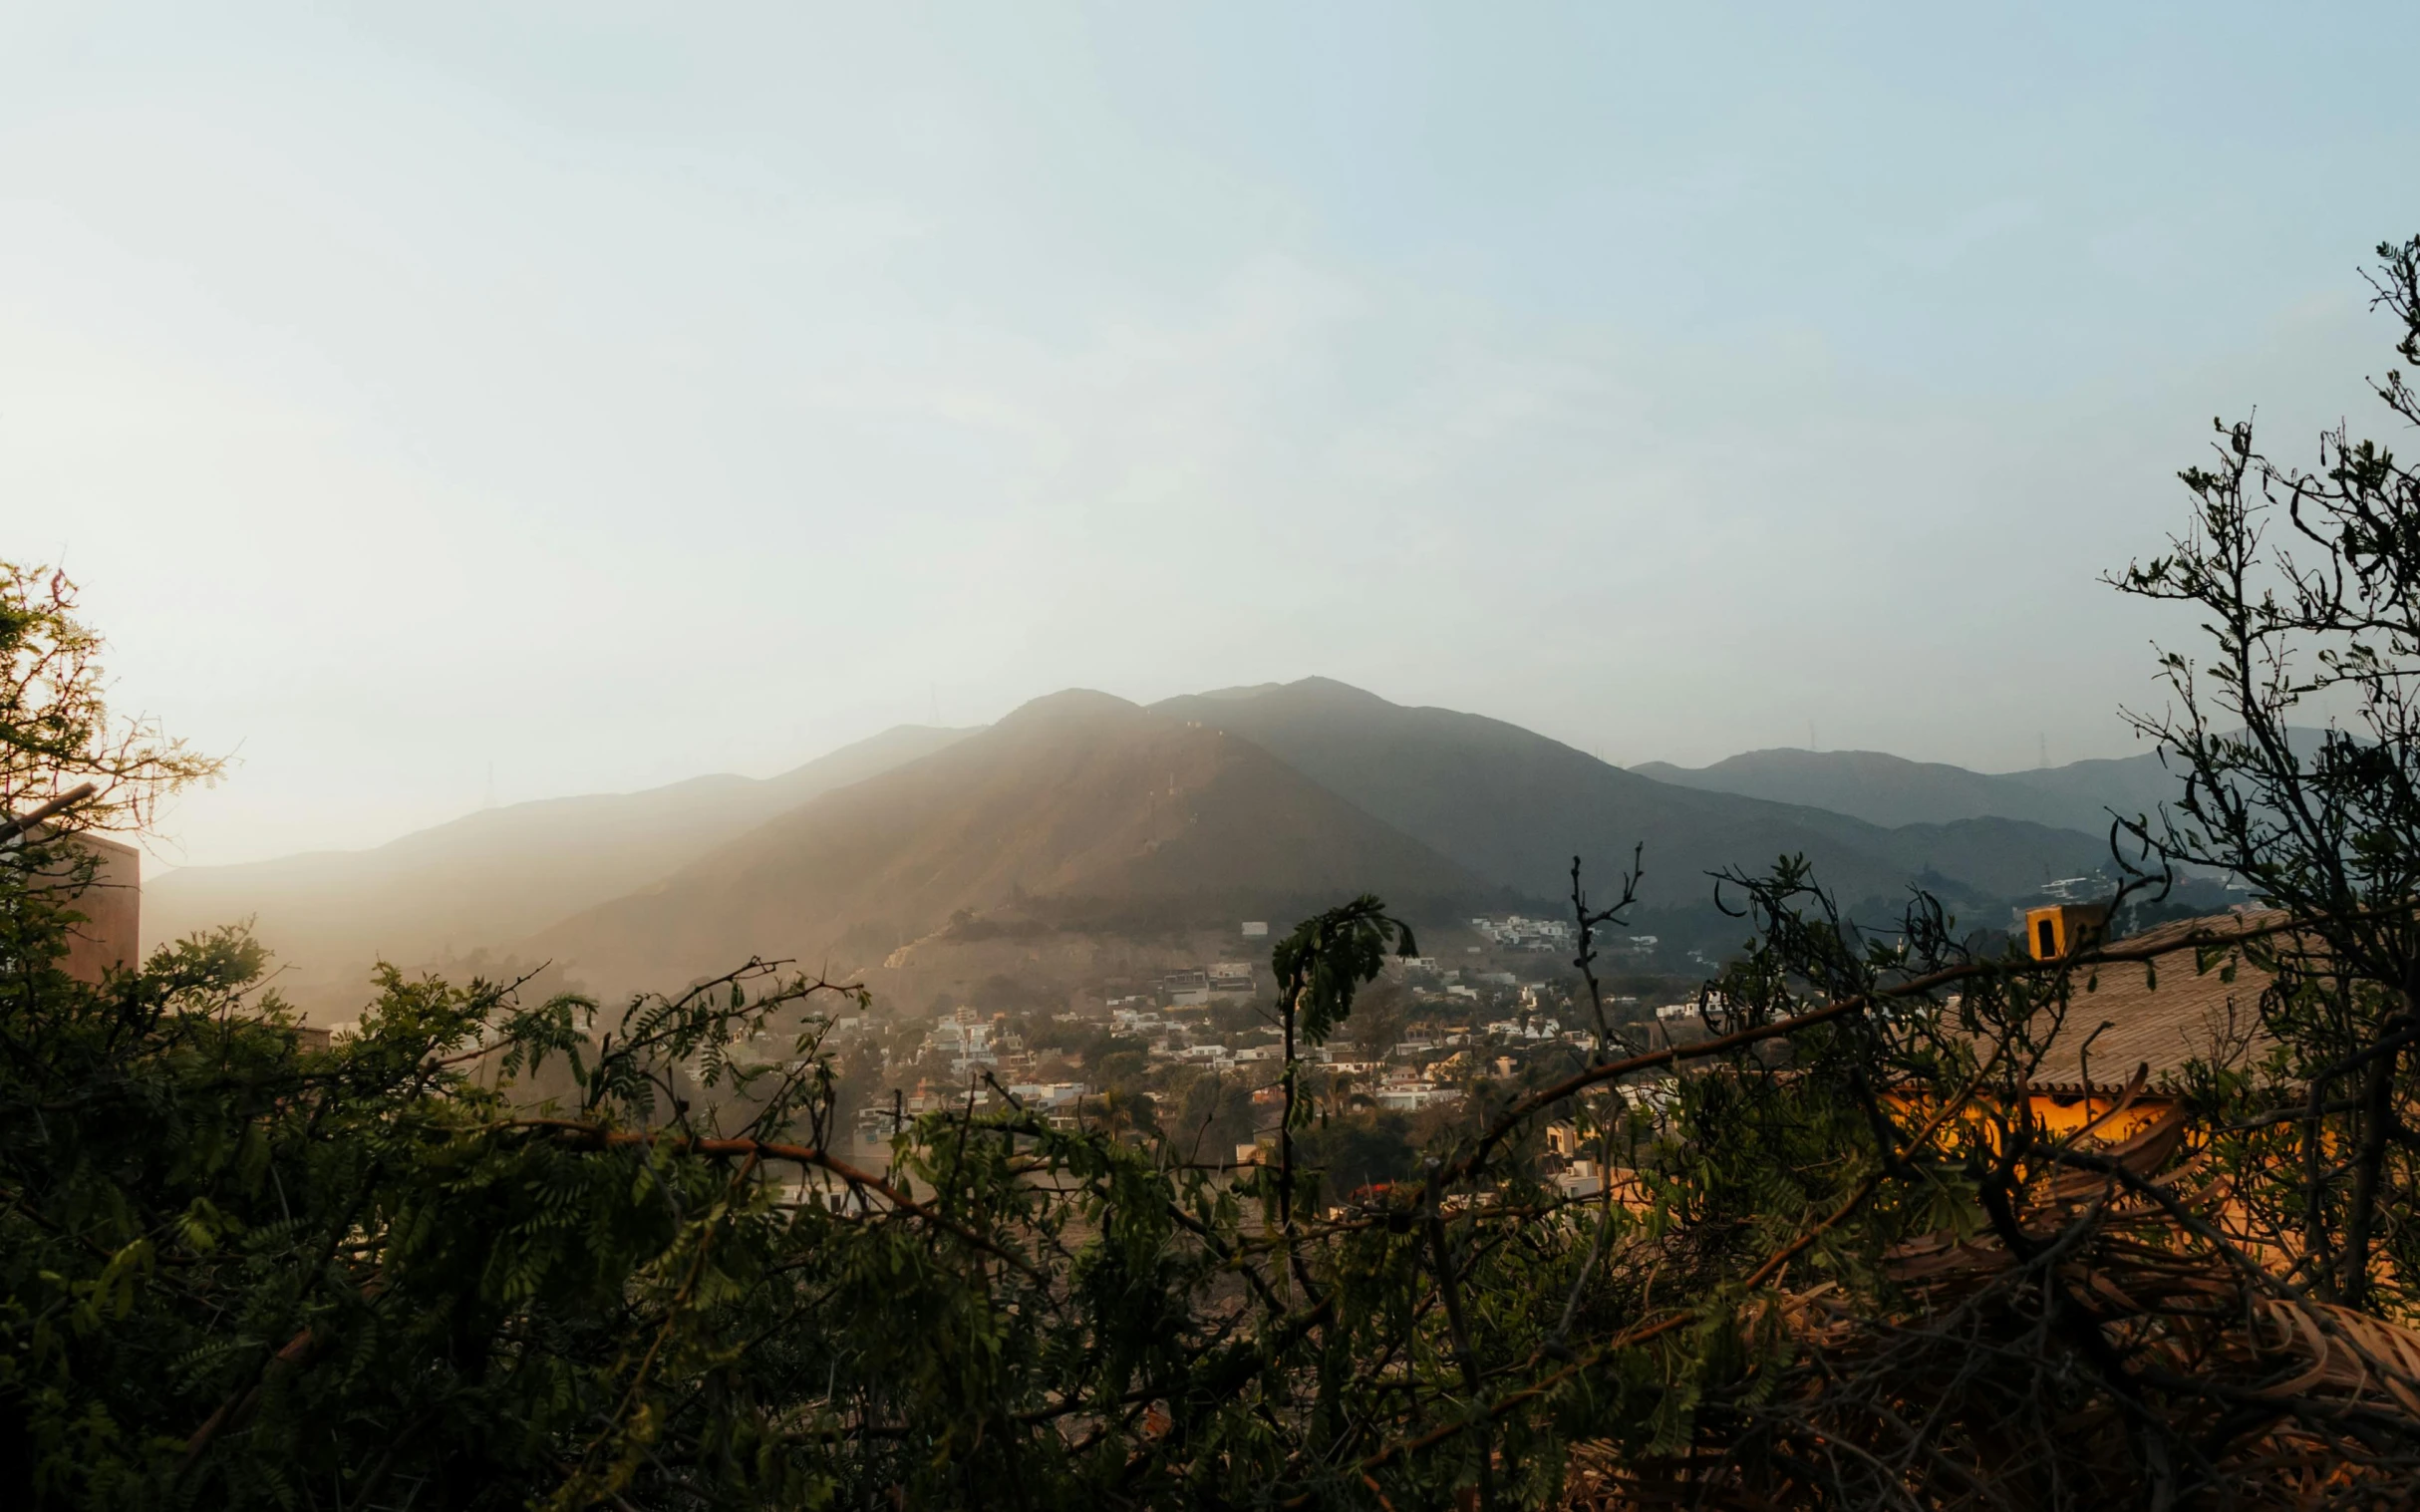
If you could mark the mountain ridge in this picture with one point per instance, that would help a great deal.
(493, 874)
(1077, 812)
(1268, 798)
(1515, 805)
(1892, 790)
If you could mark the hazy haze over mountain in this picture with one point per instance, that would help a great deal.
(1079, 821)
(1082, 814)
(599, 397)
(1889, 790)
(1079, 812)
(491, 876)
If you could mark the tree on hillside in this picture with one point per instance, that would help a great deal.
(1379, 1018)
(56, 734)
(2308, 582)
(65, 765)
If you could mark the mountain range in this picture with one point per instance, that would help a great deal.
(495, 876)
(1892, 790)
(1082, 819)
(1515, 806)
(1078, 813)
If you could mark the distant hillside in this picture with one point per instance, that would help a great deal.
(1514, 806)
(1891, 791)
(1085, 819)
(1077, 812)
(492, 876)
(2136, 785)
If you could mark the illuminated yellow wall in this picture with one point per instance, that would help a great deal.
(2059, 1113)
(2063, 929)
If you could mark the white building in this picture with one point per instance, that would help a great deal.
(1516, 932)
(1410, 1096)
(967, 1043)
(1047, 1096)
(1580, 1179)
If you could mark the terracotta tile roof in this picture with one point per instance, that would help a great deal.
(2162, 1013)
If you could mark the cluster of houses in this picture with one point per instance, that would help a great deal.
(986, 1057)
(1518, 932)
(2143, 1016)
(1169, 1024)
(1462, 1030)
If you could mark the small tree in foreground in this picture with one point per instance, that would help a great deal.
(2298, 745)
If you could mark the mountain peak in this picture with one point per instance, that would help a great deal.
(1311, 693)
(1078, 815)
(1329, 690)
(1239, 694)
(1070, 708)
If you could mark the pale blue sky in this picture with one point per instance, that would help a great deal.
(612, 395)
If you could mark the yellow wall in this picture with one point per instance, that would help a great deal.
(2063, 929)
(2059, 1113)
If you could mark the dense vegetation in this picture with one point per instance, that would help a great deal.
(500, 1252)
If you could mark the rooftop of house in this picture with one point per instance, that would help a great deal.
(2197, 995)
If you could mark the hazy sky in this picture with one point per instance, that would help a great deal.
(605, 396)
